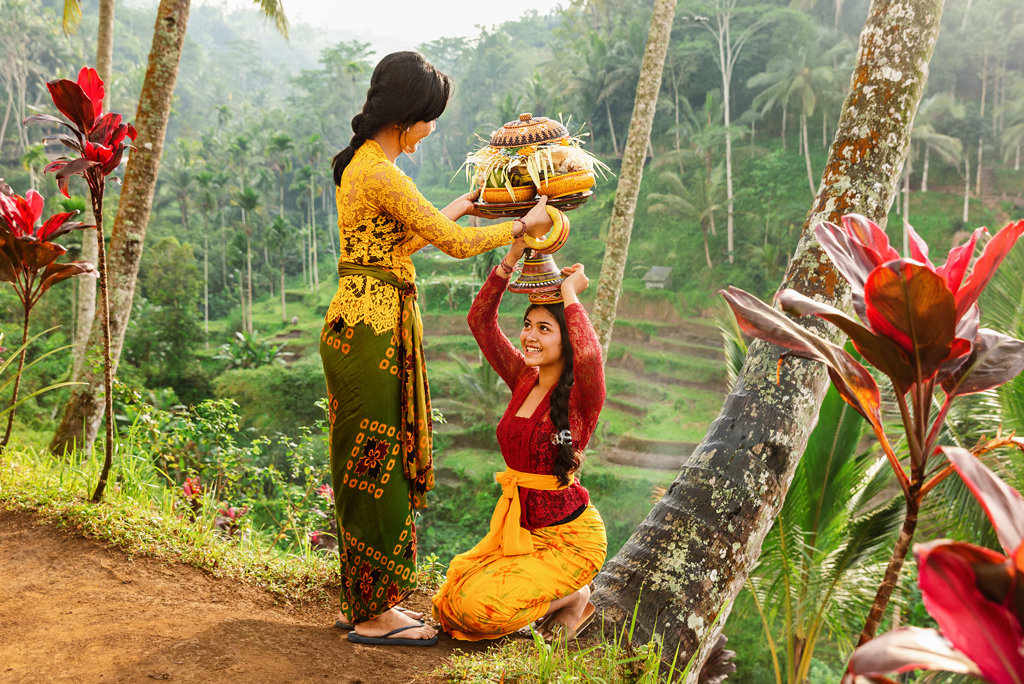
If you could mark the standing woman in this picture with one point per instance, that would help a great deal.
(371, 346)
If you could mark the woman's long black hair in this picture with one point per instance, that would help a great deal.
(567, 460)
(404, 89)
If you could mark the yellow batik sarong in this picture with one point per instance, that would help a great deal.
(508, 580)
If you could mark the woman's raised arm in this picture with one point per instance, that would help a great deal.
(506, 360)
(399, 198)
(588, 389)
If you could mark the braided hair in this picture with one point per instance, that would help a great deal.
(404, 89)
(568, 459)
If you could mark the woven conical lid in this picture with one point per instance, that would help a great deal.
(528, 131)
(541, 279)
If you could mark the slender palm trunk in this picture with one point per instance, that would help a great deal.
(977, 184)
(284, 313)
(611, 127)
(967, 187)
(248, 275)
(206, 285)
(906, 208)
(783, 128)
(312, 235)
(303, 252)
(7, 116)
(681, 569)
(807, 152)
(17, 378)
(632, 170)
(83, 412)
(223, 251)
(824, 129)
(924, 169)
(241, 299)
(1016, 163)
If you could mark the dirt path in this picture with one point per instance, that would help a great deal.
(74, 610)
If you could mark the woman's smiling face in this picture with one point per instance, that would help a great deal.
(541, 338)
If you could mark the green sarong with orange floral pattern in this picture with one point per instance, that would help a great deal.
(380, 456)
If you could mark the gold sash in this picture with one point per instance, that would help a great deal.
(506, 532)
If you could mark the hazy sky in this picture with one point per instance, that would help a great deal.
(402, 24)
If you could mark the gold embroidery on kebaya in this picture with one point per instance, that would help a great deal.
(382, 220)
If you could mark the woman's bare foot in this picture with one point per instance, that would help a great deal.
(568, 611)
(392, 620)
(414, 615)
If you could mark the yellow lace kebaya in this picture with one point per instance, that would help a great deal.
(382, 220)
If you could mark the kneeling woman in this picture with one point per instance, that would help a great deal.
(546, 541)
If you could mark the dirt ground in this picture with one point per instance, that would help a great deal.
(74, 610)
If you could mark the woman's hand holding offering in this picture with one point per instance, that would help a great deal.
(538, 223)
(508, 263)
(576, 281)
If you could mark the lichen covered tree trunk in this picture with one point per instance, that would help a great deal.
(689, 559)
(84, 410)
(630, 174)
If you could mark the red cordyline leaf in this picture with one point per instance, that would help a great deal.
(851, 379)
(55, 273)
(879, 351)
(995, 360)
(918, 247)
(911, 305)
(92, 86)
(71, 100)
(986, 632)
(906, 649)
(21, 213)
(985, 267)
(1002, 503)
(958, 260)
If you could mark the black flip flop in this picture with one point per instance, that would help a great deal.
(386, 640)
(347, 626)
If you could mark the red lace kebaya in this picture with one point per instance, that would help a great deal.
(526, 443)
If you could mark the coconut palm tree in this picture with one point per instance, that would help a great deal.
(825, 555)
(1012, 136)
(929, 115)
(631, 173)
(278, 239)
(278, 149)
(924, 135)
(697, 203)
(84, 409)
(597, 80)
(803, 78)
(248, 202)
(682, 561)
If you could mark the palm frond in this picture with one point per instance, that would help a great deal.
(72, 16)
(273, 11)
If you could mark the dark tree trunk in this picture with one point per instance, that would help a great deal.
(84, 410)
(692, 554)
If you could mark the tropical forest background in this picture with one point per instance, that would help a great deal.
(222, 384)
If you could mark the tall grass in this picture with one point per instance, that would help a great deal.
(143, 514)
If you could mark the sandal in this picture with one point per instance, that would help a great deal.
(348, 626)
(387, 639)
(560, 631)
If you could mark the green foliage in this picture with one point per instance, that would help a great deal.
(164, 331)
(273, 397)
(247, 350)
(825, 555)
